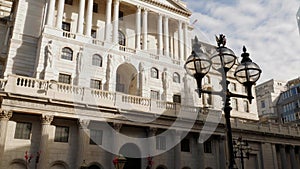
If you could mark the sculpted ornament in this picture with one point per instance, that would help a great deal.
(47, 119)
(5, 114)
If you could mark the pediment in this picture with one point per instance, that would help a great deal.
(173, 4)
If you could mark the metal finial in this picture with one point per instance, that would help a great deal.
(244, 49)
(221, 40)
(196, 45)
(245, 56)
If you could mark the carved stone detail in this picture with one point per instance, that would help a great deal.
(47, 119)
(5, 114)
(151, 131)
(117, 126)
(83, 123)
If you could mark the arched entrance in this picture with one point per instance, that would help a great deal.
(94, 167)
(130, 150)
(127, 79)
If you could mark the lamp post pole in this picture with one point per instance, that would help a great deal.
(247, 73)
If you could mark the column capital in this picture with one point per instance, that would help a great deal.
(83, 123)
(138, 7)
(180, 22)
(117, 126)
(117, 1)
(145, 10)
(47, 119)
(151, 131)
(5, 114)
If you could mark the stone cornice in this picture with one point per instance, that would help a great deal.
(170, 8)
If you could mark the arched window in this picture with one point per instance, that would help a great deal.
(176, 78)
(154, 73)
(67, 53)
(97, 60)
(122, 38)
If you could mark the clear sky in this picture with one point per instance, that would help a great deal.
(268, 28)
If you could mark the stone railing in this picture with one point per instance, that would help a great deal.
(126, 49)
(97, 42)
(69, 35)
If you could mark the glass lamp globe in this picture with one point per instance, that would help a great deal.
(223, 57)
(197, 64)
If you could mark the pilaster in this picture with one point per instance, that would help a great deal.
(5, 115)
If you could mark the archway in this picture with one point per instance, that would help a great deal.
(127, 79)
(17, 164)
(130, 150)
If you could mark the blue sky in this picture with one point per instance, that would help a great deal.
(268, 28)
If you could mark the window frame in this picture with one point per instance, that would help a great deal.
(121, 38)
(58, 135)
(94, 59)
(161, 142)
(154, 93)
(65, 25)
(60, 76)
(93, 84)
(69, 2)
(185, 145)
(20, 131)
(154, 73)
(207, 147)
(176, 77)
(67, 54)
(98, 137)
(95, 7)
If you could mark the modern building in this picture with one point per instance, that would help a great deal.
(86, 80)
(267, 96)
(289, 102)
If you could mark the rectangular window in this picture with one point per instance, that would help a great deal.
(160, 142)
(176, 98)
(235, 104)
(154, 95)
(95, 84)
(263, 104)
(246, 106)
(69, 2)
(96, 137)
(93, 33)
(185, 145)
(64, 78)
(66, 26)
(95, 7)
(61, 134)
(121, 15)
(23, 130)
(207, 146)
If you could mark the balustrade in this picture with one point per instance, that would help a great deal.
(69, 35)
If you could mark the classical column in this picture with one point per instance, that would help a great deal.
(83, 140)
(4, 117)
(81, 17)
(50, 14)
(116, 21)
(46, 121)
(293, 157)
(145, 29)
(283, 157)
(60, 13)
(200, 161)
(152, 141)
(114, 142)
(159, 34)
(185, 40)
(177, 150)
(108, 20)
(222, 156)
(166, 33)
(89, 18)
(138, 28)
(180, 45)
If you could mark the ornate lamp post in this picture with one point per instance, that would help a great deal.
(247, 73)
(241, 150)
(119, 162)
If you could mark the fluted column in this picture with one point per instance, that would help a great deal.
(116, 21)
(166, 33)
(159, 34)
(114, 142)
(83, 140)
(185, 41)
(46, 121)
(138, 28)
(145, 29)
(50, 14)
(89, 18)
(4, 117)
(81, 17)
(108, 20)
(177, 150)
(60, 13)
(180, 46)
(283, 157)
(293, 157)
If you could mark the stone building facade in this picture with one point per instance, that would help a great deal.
(86, 80)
